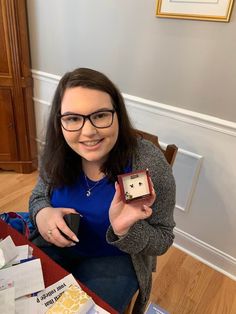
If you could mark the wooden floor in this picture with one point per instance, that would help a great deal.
(182, 284)
(15, 189)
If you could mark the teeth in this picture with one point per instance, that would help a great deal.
(90, 143)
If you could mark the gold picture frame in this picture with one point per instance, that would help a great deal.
(208, 10)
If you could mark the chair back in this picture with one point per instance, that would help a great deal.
(169, 152)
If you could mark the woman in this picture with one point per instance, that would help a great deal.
(90, 141)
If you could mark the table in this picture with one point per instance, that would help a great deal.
(52, 272)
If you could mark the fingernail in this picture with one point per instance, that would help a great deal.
(74, 238)
(72, 244)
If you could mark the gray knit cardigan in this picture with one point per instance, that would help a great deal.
(147, 238)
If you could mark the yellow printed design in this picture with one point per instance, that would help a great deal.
(73, 301)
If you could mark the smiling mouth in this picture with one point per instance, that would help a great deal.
(91, 143)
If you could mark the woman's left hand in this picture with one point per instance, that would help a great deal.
(124, 215)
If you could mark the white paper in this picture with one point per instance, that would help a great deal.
(28, 277)
(8, 251)
(5, 284)
(48, 296)
(27, 306)
(23, 252)
(7, 301)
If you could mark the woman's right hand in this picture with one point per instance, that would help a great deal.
(50, 222)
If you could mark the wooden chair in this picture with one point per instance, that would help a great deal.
(170, 153)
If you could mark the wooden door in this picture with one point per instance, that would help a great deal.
(8, 147)
(17, 121)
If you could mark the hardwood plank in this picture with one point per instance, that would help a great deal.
(15, 189)
(219, 297)
(184, 285)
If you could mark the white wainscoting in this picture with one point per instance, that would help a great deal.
(194, 168)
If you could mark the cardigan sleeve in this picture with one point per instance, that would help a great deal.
(39, 199)
(154, 235)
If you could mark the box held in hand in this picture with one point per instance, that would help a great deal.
(135, 185)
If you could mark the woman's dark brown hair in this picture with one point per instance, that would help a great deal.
(60, 165)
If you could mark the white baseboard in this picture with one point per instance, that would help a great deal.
(205, 253)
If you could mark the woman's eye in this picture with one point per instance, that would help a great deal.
(72, 118)
(100, 115)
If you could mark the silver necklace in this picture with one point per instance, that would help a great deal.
(88, 192)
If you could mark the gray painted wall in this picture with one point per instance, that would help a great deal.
(187, 64)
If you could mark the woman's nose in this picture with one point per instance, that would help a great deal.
(88, 128)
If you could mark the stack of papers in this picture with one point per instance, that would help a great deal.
(22, 289)
(10, 254)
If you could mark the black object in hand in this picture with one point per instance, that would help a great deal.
(72, 220)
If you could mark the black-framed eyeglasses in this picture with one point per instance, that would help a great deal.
(101, 119)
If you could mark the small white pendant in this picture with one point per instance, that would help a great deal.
(88, 193)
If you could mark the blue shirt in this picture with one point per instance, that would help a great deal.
(95, 214)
